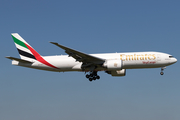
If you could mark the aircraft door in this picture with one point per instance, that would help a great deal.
(158, 57)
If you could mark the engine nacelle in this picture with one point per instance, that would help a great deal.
(113, 64)
(117, 72)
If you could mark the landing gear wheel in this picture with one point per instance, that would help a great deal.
(162, 69)
(98, 77)
(92, 76)
(87, 76)
(90, 79)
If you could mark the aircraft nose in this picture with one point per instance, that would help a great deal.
(175, 60)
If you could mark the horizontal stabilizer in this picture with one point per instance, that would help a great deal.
(17, 59)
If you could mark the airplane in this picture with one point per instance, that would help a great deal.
(114, 64)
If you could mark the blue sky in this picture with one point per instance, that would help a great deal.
(96, 26)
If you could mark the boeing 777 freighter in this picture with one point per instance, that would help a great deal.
(114, 64)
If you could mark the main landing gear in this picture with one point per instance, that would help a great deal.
(162, 69)
(92, 76)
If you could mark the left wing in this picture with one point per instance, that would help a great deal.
(80, 56)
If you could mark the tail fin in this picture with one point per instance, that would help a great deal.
(26, 52)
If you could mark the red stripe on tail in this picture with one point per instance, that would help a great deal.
(39, 58)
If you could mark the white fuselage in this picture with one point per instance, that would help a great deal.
(132, 60)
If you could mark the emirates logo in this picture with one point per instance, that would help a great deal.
(115, 64)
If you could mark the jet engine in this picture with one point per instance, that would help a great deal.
(113, 64)
(117, 72)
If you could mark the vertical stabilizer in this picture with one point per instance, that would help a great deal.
(26, 52)
(24, 49)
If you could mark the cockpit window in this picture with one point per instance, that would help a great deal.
(171, 57)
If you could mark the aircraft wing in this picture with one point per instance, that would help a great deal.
(80, 56)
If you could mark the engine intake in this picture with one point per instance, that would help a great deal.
(113, 64)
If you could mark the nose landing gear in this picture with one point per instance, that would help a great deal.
(162, 69)
(92, 76)
(162, 73)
